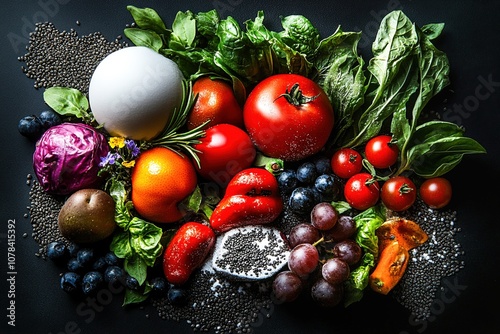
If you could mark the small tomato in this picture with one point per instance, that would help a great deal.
(224, 151)
(381, 152)
(215, 102)
(346, 162)
(398, 193)
(436, 192)
(361, 191)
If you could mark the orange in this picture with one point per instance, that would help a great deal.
(215, 102)
(161, 179)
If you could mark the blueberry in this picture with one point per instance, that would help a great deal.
(302, 200)
(57, 251)
(30, 126)
(74, 265)
(91, 282)
(307, 173)
(73, 249)
(325, 184)
(70, 282)
(177, 296)
(288, 181)
(111, 259)
(159, 285)
(114, 274)
(49, 118)
(131, 282)
(85, 256)
(323, 165)
(100, 264)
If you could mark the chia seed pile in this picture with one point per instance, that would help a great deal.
(217, 303)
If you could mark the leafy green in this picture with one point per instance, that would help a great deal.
(367, 223)
(138, 242)
(67, 101)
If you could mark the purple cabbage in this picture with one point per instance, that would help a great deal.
(67, 158)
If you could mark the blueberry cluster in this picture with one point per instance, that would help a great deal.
(33, 126)
(310, 183)
(89, 269)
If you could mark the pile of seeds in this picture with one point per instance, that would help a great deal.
(440, 257)
(62, 58)
(43, 212)
(219, 305)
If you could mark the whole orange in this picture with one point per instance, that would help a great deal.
(215, 102)
(161, 179)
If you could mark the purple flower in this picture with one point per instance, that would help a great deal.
(109, 159)
(132, 146)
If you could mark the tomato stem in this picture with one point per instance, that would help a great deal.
(294, 96)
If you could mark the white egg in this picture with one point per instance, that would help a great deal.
(133, 92)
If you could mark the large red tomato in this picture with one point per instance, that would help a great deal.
(224, 151)
(288, 116)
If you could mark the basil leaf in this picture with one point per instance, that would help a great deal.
(183, 31)
(120, 245)
(145, 240)
(119, 194)
(148, 19)
(148, 38)
(67, 101)
(134, 297)
(136, 267)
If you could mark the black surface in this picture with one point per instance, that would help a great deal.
(471, 40)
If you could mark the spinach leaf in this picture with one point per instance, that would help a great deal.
(300, 34)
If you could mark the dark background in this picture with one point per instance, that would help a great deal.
(470, 39)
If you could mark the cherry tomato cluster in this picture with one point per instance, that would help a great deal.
(363, 189)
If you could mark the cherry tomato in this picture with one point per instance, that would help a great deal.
(215, 102)
(398, 193)
(381, 152)
(224, 151)
(361, 191)
(436, 192)
(346, 162)
(288, 116)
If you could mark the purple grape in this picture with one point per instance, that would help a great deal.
(335, 271)
(347, 250)
(287, 286)
(303, 234)
(343, 229)
(324, 216)
(303, 259)
(326, 294)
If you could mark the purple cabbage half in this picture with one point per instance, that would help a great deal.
(67, 158)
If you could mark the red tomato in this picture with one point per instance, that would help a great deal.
(380, 152)
(288, 116)
(436, 192)
(361, 191)
(398, 193)
(346, 162)
(224, 151)
(215, 102)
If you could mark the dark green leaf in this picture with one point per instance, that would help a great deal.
(134, 297)
(120, 245)
(300, 34)
(136, 267)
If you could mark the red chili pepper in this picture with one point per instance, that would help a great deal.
(252, 198)
(187, 250)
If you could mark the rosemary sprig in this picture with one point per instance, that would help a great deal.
(177, 141)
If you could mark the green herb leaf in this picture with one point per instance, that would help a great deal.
(134, 297)
(145, 38)
(120, 245)
(183, 31)
(136, 267)
(433, 30)
(148, 19)
(67, 101)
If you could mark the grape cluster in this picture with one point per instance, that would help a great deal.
(323, 251)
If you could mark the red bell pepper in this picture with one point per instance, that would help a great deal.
(252, 198)
(187, 250)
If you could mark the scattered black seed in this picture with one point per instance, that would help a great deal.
(62, 58)
(440, 257)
